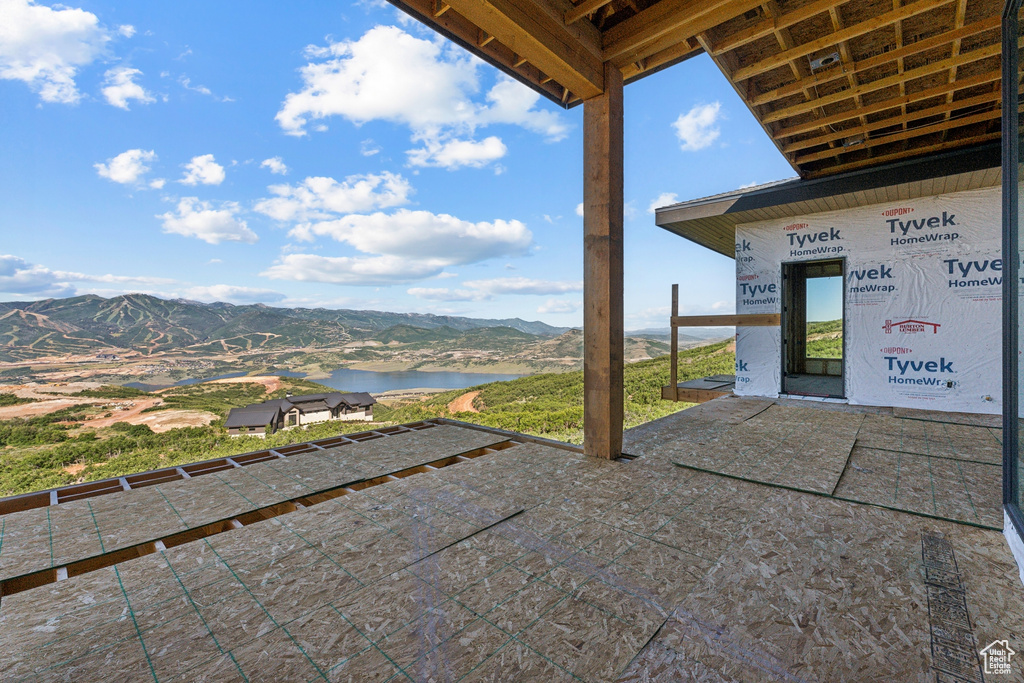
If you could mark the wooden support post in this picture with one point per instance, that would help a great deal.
(675, 344)
(602, 269)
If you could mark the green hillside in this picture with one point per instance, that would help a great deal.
(551, 405)
(825, 339)
(34, 452)
(85, 324)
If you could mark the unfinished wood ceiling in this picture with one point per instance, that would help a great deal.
(837, 84)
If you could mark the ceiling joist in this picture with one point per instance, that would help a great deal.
(829, 40)
(912, 76)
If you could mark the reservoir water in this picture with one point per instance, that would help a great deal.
(345, 379)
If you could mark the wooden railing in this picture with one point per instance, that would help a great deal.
(677, 321)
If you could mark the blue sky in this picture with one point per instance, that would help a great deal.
(337, 155)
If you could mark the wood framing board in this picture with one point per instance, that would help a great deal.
(44, 538)
(962, 491)
(925, 437)
(689, 395)
(816, 589)
(801, 448)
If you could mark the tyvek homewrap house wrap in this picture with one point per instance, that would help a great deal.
(922, 299)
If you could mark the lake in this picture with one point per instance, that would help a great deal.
(345, 379)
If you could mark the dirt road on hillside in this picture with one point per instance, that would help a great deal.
(464, 403)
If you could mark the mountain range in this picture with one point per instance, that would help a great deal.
(147, 324)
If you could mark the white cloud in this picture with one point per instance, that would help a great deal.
(453, 154)
(440, 238)
(233, 294)
(445, 294)
(321, 198)
(186, 83)
(428, 85)
(345, 270)
(157, 183)
(404, 246)
(368, 148)
(275, 165)
(663, 199)
(45, 46)
(120, 87)
(126, 30)
(513, 103)
(18, 276)
(579, 209)
(697, 129)
(203, 169)
(199, 219)
(482, 290)
(556, 306)
(128, 167)
(386, 74)
(522, 285)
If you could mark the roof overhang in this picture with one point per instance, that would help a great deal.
(711, 222)
(837, 85)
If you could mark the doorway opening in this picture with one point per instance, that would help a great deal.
(813, 327)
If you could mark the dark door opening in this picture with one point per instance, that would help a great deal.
(813, 326)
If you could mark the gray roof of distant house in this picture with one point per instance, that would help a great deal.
(260, 414)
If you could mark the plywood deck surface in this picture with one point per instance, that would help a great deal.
(42, 538)
(537, 564)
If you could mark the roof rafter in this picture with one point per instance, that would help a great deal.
(872, 24)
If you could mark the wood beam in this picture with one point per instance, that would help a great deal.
(602, 269)
(958, 22)
(873, 24)
(468, 33)
(583, 9)
(889, 81)
(941, 126)
(989, 24)
(570, 55)
(903, 154)
(892, 103)
(773, 24)
(740, 320)
(678, 51)
(666, 23)
(892, 121)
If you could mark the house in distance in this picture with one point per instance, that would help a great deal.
(299, 411)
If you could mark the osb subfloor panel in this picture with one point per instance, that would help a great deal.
(532, 564)
(927, 437)
(802, 448)
(43, 538)
(918, 464)
(943, 487)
